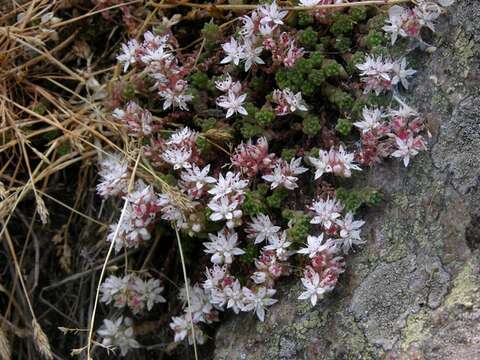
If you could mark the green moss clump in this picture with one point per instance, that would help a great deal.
(169, 179)
(300, 228)
(212, 34)
(339, 98)
(357, 58)
(265, 117)
(307, 38)
(343, 44)
(316, 77)
(303, 65)
(288, 154)
(311, 125)
(332, 69)
(358, 13)
(308, 88)
(128, 91)
(304, 19)
(203, 145)
(316, 59)
(374, 38)
(206, 124)
(353, 199)
(254, 203)
(343, 127)
(39, 109)
(200, 80)
(274, 201)
(249, 130)
(342, 24)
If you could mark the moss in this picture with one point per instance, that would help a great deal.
(343, 127)
(200, 80)
(316, 59)
(128, 91)
(342, 24)
(212, 34)
(288, 154)
(307, 38)
(275, 200)
(254, 203)
(342, 44)
(316, 77)
(416, 329)
(311, 125)
(358, 13)
(374, 39)
(300, 229)
(304, 19)
(354, 199)
(249, 130)
(465, 287)
(265, 117)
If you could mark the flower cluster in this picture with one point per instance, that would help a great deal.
(233, 99)
(252, 159)
(383, 75)
(138, 121)
(131, 291)
(142, 207)
(156, 55)
(118, 333)
(261, 30)
(338, 162)
(113, 174)
(408, 22)
(288, 102)
(396, 133)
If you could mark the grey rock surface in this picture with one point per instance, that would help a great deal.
(413, 291)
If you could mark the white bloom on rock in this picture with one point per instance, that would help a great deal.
(225, 209)
(349, 233)
(258, 300)
(314, 291)
(372, 119)
(234, 296)
(401, 73)
(223, 247)
(271, 14)
(315, 245)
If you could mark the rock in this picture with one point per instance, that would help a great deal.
(413, 291)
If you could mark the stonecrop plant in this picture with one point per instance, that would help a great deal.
(244, 145)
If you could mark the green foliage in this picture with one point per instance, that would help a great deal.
(343, 44)
(357, 58)
(342, 24)
(354, 199)
(205, 123)
(303, 65)
(254, 203)
(332, 69)
(249, 130)
(128, 92)
(265, 117)
(212, 34)
(169, 179)
(307, 38)
(300, 228)
(311, 125)
(288, 154)
(274, 201)
(200, 80)
(304, 19)
(316, 77)
(316, 59)
(344, 126)
(374, 39)
(203, 145)
(358, 13)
